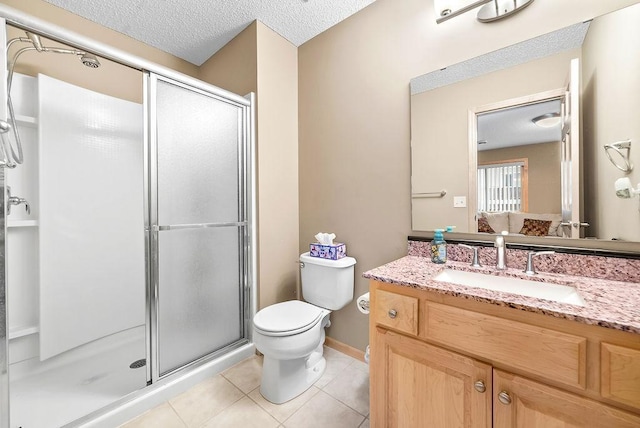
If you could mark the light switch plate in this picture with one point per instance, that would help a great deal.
(459, 201)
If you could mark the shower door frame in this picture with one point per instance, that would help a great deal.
(152, 227)
(4, 303)
(19, 19)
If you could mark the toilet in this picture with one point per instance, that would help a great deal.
(290, 334)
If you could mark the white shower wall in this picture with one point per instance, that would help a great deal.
(122, 164)
(92, 267)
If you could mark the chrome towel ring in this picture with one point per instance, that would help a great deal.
(619, 146)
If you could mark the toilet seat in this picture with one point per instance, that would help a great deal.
(287, 318)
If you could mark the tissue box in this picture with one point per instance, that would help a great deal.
(331, 252)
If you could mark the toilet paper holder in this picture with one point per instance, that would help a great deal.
(362, 303)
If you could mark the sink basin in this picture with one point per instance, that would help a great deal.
(524, 287)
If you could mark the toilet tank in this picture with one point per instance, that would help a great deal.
(327, 283)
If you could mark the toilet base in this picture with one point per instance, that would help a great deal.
(284, 380)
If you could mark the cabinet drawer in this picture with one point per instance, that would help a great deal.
(620, 374)
(546, 353)
(396, 311)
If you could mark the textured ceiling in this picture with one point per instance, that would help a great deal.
(538, 47)
(514, 126)
(196, 29)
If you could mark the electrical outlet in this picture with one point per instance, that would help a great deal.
(459, 201)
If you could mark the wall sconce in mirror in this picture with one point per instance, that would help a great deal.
(618, 147)
(447, 9)
(548, 120)
(624, 188)
(499, 9)
(491, 10)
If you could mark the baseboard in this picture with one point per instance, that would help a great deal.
(344, 348)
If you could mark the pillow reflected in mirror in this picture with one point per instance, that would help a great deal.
(532, 227)
(484, 226)
(516, 222)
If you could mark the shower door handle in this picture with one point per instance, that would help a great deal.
(161, 228)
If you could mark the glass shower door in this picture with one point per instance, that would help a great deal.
(198, 223)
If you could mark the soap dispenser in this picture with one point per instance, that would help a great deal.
(438, 247)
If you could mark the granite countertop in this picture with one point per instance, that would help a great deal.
(611, 304)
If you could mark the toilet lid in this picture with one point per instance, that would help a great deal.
(287, 316)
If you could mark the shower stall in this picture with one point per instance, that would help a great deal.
(128, 230)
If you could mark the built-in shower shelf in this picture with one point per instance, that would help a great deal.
(29, 121)
(21, 331)
(22, 223)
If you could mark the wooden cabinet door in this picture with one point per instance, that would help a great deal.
(528, 404)
(418, 385)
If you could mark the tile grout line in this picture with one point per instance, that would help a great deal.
(177, 414)
(336, 398)
(218, 414)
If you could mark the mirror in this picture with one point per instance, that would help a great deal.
(444, 146)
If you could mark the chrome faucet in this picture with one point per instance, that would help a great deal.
(530, 269)
(501, 258)
(14, 200)
(474, 261)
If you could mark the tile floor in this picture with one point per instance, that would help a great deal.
(339, 399)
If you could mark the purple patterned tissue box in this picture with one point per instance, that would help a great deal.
(331, 252)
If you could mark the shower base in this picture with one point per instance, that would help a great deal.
(59, 390)
(93, 386)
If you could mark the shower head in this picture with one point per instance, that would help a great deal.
(87, 59)
(90, 60)
(35, 39)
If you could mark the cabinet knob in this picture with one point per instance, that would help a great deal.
(479, 386)
(504, 397)
(393, 313)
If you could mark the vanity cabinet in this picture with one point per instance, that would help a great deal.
(445, 361)
(523, 403)
(426, 386)
(620, 374)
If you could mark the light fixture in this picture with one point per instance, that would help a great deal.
(547, 120)
(624, 188)
(499, 9)
(491, 10)
(447, 9)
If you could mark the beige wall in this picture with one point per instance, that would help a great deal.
(611, 102)
(235, 66)
(439, 130)
(544, 173)
(354, 120)
(277, 167)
